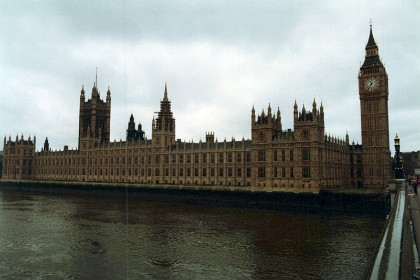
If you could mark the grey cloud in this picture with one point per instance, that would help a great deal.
(227, 55)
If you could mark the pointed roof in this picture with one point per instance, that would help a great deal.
(371, 42)
(165, 94)
(372, 52)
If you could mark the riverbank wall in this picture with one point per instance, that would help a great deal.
(342, 201)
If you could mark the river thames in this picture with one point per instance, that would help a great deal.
(87, 237)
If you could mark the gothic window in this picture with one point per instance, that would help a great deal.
(196, 172)
(196, 158)
(291, 172)
(238, 157)
(188, 158)
(204, 158)
(261, 155)
(283, 155)
(306, 172)
(230, 171)
(305, 134)
(239, 172)
(212, 158)
(221, 172)
(275, 172)
(261, 136)
(283, 172)
(306, 154)
(220, 157)
(275, 155)
(204, 172)
(261, 172)
(229, 155)
(291, 154)
(248, 156)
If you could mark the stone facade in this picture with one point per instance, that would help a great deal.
(302, 159)
(373, 92)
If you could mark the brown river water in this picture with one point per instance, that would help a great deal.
(45, 236)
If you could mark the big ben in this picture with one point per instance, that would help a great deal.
(373, 92)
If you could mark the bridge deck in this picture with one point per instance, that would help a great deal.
(397, 257)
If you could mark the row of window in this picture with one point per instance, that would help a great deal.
(181, 158)
(306, 172)
(195, 172)
(18, 151)
(17, 171)
(24, 162)
(261, 156)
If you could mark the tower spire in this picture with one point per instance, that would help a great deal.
(372, 52)
(165, 94)
(371, 41)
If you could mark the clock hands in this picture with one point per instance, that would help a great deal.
(371, 84)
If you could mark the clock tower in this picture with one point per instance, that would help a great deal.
(373, 93)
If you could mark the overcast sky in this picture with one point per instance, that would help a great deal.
(219, 59)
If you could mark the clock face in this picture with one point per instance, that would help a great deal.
(371, 83)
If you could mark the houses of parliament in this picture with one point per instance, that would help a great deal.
(300, 159)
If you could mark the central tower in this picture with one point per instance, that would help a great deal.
(163, 128)
(94, 119)
(373, 93)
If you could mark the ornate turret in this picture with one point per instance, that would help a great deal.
(108, 96)
(314, 110)
(210, 137)
(95, 92)
(163, 128)
(265, 126)
(94, 118)
(46, 145)
(134, 134)
(278, 120)
(82, 94)
(321, 111)
(295, 111)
